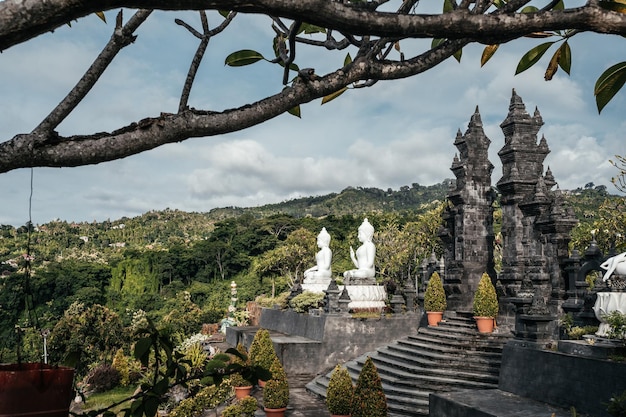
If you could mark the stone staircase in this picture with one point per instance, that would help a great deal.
(444, 358)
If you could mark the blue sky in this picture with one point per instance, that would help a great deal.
(395, 133)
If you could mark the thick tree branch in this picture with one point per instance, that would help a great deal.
(122, 36)
(21, 20)
(26, 151)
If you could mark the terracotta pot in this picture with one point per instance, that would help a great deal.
(275, 412)
(485, 324)
(434, 317)
(261, 383)
(241, 392)
(35, 389)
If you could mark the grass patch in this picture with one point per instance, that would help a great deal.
(105, 399)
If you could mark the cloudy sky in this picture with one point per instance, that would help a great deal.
(395, 133)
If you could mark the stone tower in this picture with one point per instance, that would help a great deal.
(536, 227)
(468, 221)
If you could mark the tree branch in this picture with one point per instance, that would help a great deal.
(122, 36)
(21, 20)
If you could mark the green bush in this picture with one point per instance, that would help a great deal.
(208, 397)
(270, 302)
(369, 398)
(340, 392)
(435, 295)
(276, 390)
(242, 408)
(485, 298)
(577, 332)
(617, 321)
(262, 351)
(301, 303)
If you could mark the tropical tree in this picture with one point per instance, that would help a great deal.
(376, 35)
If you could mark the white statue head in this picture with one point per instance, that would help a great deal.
(366, 230)
(324, 237)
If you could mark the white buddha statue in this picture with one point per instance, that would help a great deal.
(321, 272)
(363, 258)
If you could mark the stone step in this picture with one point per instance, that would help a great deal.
(460, 358)
(414, 368)
(437, 359)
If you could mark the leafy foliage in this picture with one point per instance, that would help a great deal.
(262, 353)
(301, 303)
(485, 298)
(340, 392)
(276, 390)
(369, 397)
(435, 295)
(617, 322)
(242, 408)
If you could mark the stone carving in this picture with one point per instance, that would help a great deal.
(616, 264)
(321, 272)
(363, 258)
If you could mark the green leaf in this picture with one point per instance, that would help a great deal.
(447, 6)
(565, 60)
(531, 57)
(559, 6)
(347, 60)
(142, 350)
(243, 57)
(457, 55)
(294, 111)
(529, 9)
(101, 16)
(224, 13)
(488, 53)
(334, 95)
(609, 83)
(436, 42)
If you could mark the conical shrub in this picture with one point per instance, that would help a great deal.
(340, 392)
(276, 390)
(261, 352)
(369, 398)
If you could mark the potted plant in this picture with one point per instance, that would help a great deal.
(242, 385)
(485, 305)
(262, 351)
(276, 391)
(369, 398)
(435, 300)
(339, 393)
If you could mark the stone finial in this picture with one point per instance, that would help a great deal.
(548, 179)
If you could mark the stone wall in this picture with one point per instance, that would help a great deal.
(309, 344)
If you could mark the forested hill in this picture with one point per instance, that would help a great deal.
(352, 200)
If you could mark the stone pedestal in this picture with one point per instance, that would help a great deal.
(606, 303)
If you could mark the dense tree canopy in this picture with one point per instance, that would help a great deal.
(372, 32)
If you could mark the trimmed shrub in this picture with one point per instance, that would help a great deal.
(208, 397)
(485, 298)
(369, 398)
(276, 390)
(340, 392)
(435, 295)
(262, 351)
(242, 408)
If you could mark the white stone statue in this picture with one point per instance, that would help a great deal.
(616, 264)
(321, 272)
(363, 259)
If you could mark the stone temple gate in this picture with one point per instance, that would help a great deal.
(536, 225)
